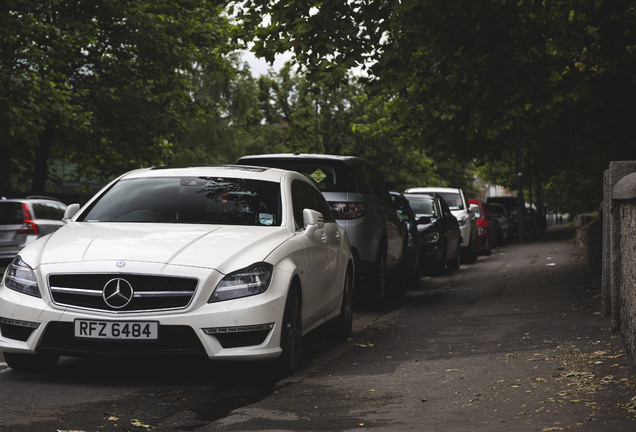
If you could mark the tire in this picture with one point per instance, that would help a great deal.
(378, 285)
(344, 322)
(31, 363)
(291, 335)
(456, 262)
(413, 279)
(440, 268)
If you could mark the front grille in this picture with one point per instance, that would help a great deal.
(144, 292)
(173, 340)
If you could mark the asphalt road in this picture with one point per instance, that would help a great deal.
(512, 342)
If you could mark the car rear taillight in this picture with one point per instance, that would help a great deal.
(28, 227)
(348, 210)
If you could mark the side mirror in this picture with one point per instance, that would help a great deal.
(424, 220)
(312, 220)
(70, 211)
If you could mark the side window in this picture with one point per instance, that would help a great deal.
(305, 196)
(380, 189)
(45, 210)
(362, 179)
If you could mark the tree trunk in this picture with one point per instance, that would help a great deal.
(40, 170)
(5, 169)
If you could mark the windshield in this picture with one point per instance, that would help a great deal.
(423, 206)
(231, 201)
(453, 199)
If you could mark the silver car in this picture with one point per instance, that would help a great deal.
(22, 220)
(361, 204)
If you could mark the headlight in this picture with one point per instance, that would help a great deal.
(243, 283)
(481, 230)
(461, 220)
(21, 278)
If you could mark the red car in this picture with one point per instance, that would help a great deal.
(485, 234)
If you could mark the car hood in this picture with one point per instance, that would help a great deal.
(221, 247)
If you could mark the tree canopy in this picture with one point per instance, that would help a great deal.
(430, 91)
(102, 84)
(465, 71)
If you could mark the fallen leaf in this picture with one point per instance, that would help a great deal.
(137, 423)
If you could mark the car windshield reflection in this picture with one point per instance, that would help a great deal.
(195, 200)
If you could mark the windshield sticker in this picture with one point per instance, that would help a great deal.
(318, 175)
(266, 218)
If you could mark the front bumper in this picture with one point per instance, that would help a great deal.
(246, 328)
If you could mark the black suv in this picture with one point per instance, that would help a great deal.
(361, 204)
(22, 220)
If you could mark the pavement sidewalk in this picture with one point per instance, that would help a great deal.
(512, 342)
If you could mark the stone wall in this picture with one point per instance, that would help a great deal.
(618, 281)
(589, 238)
(628, 275)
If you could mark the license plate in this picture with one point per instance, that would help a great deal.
(136, 330)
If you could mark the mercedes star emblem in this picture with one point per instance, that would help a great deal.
(117, 293)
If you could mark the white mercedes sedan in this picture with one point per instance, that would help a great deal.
(228, 262)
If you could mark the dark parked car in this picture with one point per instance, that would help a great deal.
(361, 204)
(438, 229)
(411, 259)
(512, 207)
(503, 227)
(23, 220)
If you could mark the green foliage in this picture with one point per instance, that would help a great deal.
(105, 85)
(464, 71)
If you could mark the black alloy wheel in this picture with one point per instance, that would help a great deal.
(344, 322)
(291, 334)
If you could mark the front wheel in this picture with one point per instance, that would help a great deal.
(440, 268)
(291, 335)
(456, 262)
(344, 322)
(31, 363)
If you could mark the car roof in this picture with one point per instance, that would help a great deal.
(248, 172)
(31, 199)
(431, 190)
(296, 155)
(419, 195)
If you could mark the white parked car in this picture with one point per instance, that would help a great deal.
(230, 262)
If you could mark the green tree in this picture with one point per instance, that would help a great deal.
(465, 71)
(105, 85)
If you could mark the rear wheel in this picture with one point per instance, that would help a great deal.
(378, 284)
(291, 335)
(31, 362)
